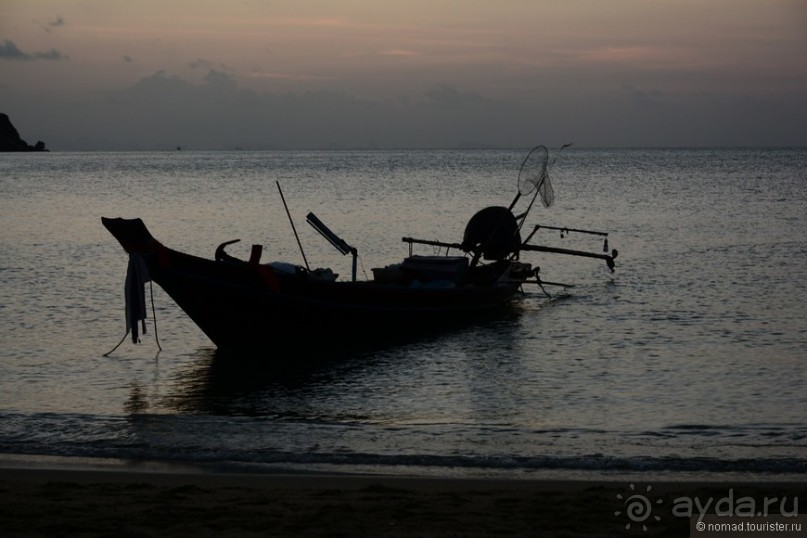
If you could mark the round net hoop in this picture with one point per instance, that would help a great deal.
(533, 170)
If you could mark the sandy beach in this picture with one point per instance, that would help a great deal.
(130, 503)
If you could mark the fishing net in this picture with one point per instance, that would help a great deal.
(534, 175)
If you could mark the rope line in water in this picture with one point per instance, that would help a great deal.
(153, 316)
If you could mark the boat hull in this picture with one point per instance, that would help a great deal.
(254, 307)
(246, 306)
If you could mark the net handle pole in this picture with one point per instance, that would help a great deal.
(523, 216)
(515, 200)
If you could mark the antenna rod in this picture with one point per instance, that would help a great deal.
(293, 229)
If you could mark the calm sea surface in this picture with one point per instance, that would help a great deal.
(689, 360)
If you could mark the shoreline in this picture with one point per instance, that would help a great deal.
(192, 468)
(154, 499)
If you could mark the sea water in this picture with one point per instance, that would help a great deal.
(688, 360)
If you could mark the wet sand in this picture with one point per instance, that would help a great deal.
(130, 503)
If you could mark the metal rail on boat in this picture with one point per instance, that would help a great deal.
(443, 244)
(609, 258)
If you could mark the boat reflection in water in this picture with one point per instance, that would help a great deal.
(343, 384)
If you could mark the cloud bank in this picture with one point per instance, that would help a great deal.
(163, 111)
(10, 51)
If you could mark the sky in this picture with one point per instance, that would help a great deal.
(330, 74)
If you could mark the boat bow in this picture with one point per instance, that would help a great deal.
(132, 234)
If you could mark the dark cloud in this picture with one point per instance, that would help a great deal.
(52, 54)
(126, 58)
(158, 86)
(59, 21)
(10, 51)
(220, 80)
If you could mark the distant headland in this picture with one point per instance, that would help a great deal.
(10, 139)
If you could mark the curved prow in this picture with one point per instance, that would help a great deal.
(221, 256)
(132, 234)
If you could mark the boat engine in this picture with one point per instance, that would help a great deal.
(492, 232)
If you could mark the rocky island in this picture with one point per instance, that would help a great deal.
(10, 139)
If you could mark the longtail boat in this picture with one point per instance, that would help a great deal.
(247, 304)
